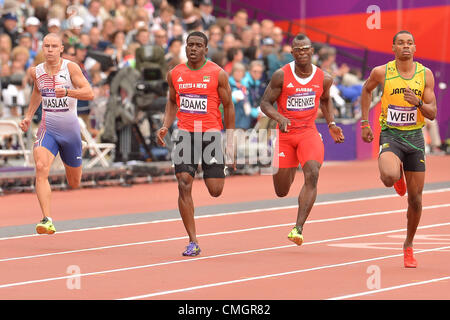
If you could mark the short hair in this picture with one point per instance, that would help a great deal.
(402, 32)
(300, 37)
(198, 34)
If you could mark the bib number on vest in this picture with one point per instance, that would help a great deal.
(401, 116)
(193, 103)
(301, 101)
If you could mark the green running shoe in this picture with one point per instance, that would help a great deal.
(45, 226)
(296, 236)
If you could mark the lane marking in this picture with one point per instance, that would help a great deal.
(215, 233)
(365, 293)
(226, 214)
(217, 284)
(15, 284)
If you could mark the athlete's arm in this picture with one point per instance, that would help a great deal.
(376, 77)
(224, 91)
(83, 89)
(35, 101)
(428, 107)
(170, 112)
(271, 95)
(327, 107)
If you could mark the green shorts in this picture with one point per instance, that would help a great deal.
(409, 146)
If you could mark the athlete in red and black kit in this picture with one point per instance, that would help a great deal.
(196, 89)
(299, 88)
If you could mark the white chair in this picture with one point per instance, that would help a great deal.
(98, 150)
(11, 128)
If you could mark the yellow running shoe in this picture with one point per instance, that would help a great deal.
(45, 226)
(296, 236)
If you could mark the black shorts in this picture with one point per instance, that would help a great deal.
(199, 147)
(409, 146)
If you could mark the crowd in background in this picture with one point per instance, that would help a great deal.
(249, 51)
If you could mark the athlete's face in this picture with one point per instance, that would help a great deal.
(404, 47)
(302, 51)
(196, 49)
(52, 48)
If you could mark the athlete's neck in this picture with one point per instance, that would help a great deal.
(53, 67)
(405, 66)
(196, 65)
(303, 71)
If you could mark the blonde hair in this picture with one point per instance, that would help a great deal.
(20, 50)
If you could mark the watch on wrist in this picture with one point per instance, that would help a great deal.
(420, 104)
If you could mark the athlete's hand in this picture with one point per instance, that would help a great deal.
(367, 134)
(160, 135)
(337, 134)
(25, 124)
(283, 123)
(60, 92)
(410, 97)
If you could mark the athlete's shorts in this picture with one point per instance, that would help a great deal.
(297, 148)
(68, 145)
(191, 149)
(409, 146)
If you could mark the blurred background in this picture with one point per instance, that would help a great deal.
(126, 47)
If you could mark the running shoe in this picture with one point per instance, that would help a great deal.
(45, 226)
(192, 250)
(400, 185)
(408, 258)
(296, 236)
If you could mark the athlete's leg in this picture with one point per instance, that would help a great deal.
(215, 186)
(389, 165)
(308, 193)
(186, 204)
(283, 179)
(43, 159)
(414, 181)
(73, 175)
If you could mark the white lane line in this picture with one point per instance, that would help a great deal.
(226, 214)
(215, 233)
(365, 293)
(8, 285)
(217, 284)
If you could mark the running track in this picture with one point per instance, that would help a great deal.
(126, 243)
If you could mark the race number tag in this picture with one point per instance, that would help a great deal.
(301, 101)
(401, 116)
(193, 103)
(55, 104)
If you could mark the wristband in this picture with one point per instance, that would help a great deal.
(332, 123)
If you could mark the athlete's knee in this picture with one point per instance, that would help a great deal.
(387, 180)
(215, 192)
(74, 183)
(281, 191)
(184, 187)
(415, 202)
(42, 168)
(311, 176)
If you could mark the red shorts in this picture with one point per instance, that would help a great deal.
(298, 147)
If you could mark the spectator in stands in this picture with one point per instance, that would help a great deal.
(206, 9)
(54, 26)
(239, 96)
(32, 25)
(234, 55)
(266, 28)
(160, 37)
(93, 17)
(8, 26)
(173, 56)
(96, 43)
(26, 42)
(166, 20)
(240, 21)
(277, 36)
(215, 39)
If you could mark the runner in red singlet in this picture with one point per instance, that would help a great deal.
(299, 88)
(196, 90)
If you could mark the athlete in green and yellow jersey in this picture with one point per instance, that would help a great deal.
(408, 98)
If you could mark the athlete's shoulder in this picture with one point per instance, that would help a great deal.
(379, 72)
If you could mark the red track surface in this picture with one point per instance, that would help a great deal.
(244, 255)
